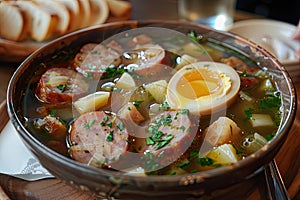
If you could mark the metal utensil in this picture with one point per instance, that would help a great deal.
(275, 185)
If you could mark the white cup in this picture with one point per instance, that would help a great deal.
(217, 14)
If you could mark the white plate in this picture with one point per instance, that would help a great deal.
(274, 36)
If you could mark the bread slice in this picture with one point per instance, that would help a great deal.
(85, 13)
(40, 23)
(13, 24)
(119, 8)
(74, 10)
(56, 8)
(99, 12)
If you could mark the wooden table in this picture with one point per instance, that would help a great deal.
(288, 159)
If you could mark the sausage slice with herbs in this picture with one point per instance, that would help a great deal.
(61, 86)
(98, 139)
(94, 60)
(169, 136)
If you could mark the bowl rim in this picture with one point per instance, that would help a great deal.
(25, 134)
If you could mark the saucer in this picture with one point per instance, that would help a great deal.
(274, 36)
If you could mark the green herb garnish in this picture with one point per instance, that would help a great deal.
(104, 120)
(164, 142)
(192, 35)
(206, 161)
(172, 173)
(194, 154)
(270, 103)
(62, 87)
(138, 103)
(53, 112)
(149, 141)
(185, 112)
(184, 164)
(110, 136)
(248, 113)
(120, 126)
(89, 124)
(164, 106)
(112, 72)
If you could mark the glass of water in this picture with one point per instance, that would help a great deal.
(217, 14)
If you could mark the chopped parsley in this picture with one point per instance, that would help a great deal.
(110, 136)
(164, 106)
(62, 87)
(271, 103)
(244, 74)
(151, 162)
(172, 173)
(194, 154)
(112, 72)
(248, 113)
(138, 103)
(185, 112)
(269, 137)
(110, 124)
(120, 126)
(197, 38)
(168, 120)
(182, 128)
(184, 164)
(89, 124)
(53, 112)
(104, 120)
(206, 161)
(149, 141)
(164, 142)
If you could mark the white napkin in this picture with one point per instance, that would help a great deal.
(16, 160)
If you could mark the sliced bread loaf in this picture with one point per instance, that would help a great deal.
(13, 24)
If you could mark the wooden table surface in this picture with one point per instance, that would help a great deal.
(288, 158)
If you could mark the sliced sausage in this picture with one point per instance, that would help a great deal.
(60, 86)
(93, 59)
(98, 139)
(239, 65)
(139, 40)
(52, 125)
(145, 60)
(170, 134)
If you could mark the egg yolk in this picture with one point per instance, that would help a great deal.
(197, 83)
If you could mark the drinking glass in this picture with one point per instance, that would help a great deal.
(217, 14)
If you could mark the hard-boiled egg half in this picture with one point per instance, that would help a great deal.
(203, 87)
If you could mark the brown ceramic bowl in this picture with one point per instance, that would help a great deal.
(110, 184)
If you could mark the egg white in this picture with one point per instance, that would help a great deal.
(214, 102)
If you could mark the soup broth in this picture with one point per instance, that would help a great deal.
(116, 105)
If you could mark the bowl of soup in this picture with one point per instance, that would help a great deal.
(151, 109)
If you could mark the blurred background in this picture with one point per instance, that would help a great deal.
(283, 10)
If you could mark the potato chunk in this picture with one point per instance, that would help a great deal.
(92, 102)
(126, 81)
(224, 154)
(259, 120)
(129, 114)
(221, 131)
(158, 90)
